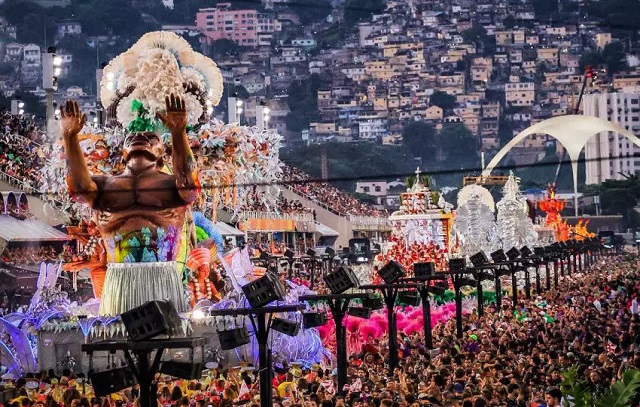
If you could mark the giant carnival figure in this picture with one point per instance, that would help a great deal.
(140, 211)
(150, 233)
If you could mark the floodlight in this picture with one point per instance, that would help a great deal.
(313, 319)
(479, 259)
(112, 380)
(151, 319)
(233, 338)
(341, 280)
(525, 251)
(285, 326)
(457, 265)
(409, 298)
(392, 272)
(424, 269)
(182, 370)
(359, 312)
(264, 290)
(498, 256)
(373, 303)
(513, 253)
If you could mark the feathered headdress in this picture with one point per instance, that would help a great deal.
(135, 83)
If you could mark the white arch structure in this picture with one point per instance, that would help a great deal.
(573, 132)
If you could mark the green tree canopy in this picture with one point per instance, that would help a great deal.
(419, 137)
(612, 55)
(303, 103)
(505, 132)
(443, 100)
(352, 160)
(356, 11)
(224, 47)
(311, 11)
(459, 145)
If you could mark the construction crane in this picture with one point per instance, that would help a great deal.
(589, 74)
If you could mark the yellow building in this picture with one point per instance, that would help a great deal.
(602, 40)
(520, 93)
(433, 113)
(548, 55)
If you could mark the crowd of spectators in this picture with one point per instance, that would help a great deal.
(21, 159)
(326, 195)
(19, 153)
(515, 357)
(256, 202)
(30, 255)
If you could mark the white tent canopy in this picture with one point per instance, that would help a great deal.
(573, 132)
(227, 230)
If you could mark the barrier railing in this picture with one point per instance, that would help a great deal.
(27, 188)
(315, 200)
(298, 217)
(370, 222)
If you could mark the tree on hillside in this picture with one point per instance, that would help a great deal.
(419, 138)
(311, 11)
(509, 22)
(303, 103)
(620, 197)
(459, 146)
(240, 91)
(351, 160)
(31, 20)
(475, 34)
(83, 67)
(223, 47)
(612, 55)
(99, 17)
(356, 11)
(443, 100)
(505, 131)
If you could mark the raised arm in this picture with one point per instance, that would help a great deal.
(184, 164)
(79, 181)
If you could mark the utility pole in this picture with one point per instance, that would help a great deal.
(51, 69)
(324, 165)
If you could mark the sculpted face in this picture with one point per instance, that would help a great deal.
(147, 144)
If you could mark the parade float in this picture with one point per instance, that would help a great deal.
(553, 228)
(154, 238)
(421, 227)
(514, 226)
(475, 225)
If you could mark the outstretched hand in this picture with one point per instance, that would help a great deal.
(72, 120)
(175, 118)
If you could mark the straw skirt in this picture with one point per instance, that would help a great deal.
(129, 285)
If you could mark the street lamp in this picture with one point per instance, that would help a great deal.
(17, 107)
(262, 115)
(51, 70)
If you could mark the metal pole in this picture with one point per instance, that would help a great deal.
(498, 288)
(527, 283)
(49, 112)
(390, 300)
(480, 294)
(458, 311)
(514, 284)
(548, 270)
(555, 271)
(341, 339)
(263, 355)
(145, 378)
(426, 316)
(538, 287)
